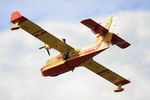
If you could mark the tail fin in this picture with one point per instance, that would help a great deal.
(113, 38)
(107, 36)
(109, 23)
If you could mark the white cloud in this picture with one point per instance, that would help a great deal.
(66, 9)
(21, 62)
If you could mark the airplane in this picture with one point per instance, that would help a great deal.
(69, 57)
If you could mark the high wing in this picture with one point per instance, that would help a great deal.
(35, 30)
(105, 73)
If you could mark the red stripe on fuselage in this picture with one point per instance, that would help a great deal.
(73, 61)
(68, 65)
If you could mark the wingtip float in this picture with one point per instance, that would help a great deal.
(16, 18)
(69, 57)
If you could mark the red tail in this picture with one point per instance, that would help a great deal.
(119, 42)
(109, 37)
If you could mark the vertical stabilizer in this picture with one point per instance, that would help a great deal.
(109, 23)
(104, 34)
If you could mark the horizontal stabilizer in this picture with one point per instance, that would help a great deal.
(95, 27)
(119, 42)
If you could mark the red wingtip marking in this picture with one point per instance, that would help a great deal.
(15, 16)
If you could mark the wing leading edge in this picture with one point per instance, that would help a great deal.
(106, 73)
(35, 30)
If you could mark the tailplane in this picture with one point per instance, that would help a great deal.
(103, 32)
(119, 42)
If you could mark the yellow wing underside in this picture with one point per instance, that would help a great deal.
(105, 73)
(44, 36)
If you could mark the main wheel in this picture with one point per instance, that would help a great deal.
(66, 56)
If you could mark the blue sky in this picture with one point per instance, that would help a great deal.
(69, 10)
(20, 59)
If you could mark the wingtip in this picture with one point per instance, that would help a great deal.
(85, 20)
(125, 46)
(15, 16)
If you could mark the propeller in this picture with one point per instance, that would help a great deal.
(46, 46)
(48, 51)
